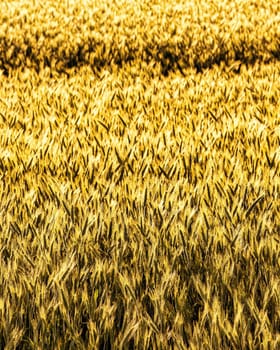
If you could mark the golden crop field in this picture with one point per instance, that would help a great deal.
(140, 174)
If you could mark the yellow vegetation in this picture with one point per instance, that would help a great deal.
(139, 175)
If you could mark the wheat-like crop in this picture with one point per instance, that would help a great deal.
(139, 175)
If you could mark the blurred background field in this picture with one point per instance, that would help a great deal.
(139, 175)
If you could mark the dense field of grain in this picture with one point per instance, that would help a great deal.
(140, 174)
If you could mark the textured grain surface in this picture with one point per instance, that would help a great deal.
(138, 209)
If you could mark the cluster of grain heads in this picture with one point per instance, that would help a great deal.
(112, 34)
(137, 210)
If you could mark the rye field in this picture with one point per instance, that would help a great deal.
(140, 175)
